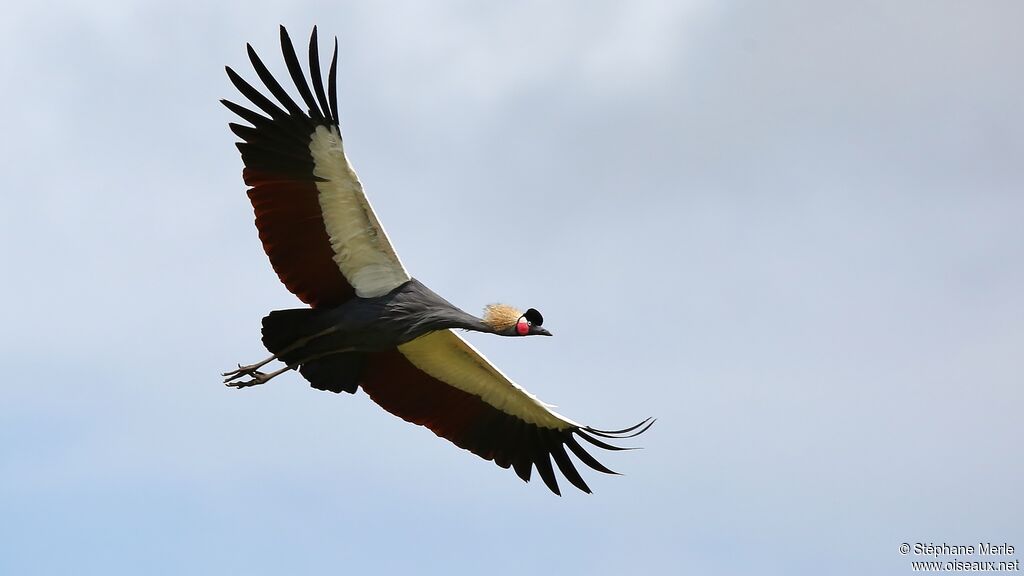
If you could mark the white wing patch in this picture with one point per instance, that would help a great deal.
(448, 357)
(361, 247)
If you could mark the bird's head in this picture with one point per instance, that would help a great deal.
(508, 321)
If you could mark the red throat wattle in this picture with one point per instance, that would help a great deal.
(522, 327)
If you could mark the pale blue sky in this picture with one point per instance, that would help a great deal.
(791, 232)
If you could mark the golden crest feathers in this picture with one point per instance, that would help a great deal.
(501, 316)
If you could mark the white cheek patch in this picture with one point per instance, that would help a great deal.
(522, 327)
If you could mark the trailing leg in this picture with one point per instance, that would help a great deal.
(284, 332)
(249, 370)
(258, 378)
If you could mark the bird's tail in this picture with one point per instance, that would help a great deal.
(289, 333)
(283, 329)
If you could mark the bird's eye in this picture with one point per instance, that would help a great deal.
(523, 327)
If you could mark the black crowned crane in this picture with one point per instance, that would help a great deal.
(370, 324)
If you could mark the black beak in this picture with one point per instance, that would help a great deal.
(538, 331)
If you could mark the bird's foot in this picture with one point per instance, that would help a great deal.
(231, 379)
(257, 379)
(250, 370)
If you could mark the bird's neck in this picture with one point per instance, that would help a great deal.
(434, 312)
(460, 319)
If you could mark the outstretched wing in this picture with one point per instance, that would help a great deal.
(315, 222)
(440, 381)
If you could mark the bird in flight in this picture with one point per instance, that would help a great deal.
(370, 324)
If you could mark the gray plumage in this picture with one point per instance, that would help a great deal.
(366, 324)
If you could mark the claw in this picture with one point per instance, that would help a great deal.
(232, 372)
(258, 378)
(249, 370)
